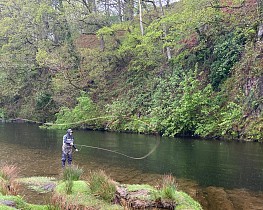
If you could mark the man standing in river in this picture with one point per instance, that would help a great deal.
(68, 143)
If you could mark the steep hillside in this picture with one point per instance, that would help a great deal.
(192, 68)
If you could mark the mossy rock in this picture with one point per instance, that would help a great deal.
(39, 184)
(81, 196)
(16, 202)
(147, 197)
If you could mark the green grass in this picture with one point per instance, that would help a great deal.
(102, 186)
(20, 204)
(78, 187)
(72, 173)
(81, 196)
(136, 187)
(184, 201)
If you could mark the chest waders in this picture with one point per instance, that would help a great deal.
(67, 152)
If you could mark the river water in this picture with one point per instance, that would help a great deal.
(218, 174)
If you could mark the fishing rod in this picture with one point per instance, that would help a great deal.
(76, 123)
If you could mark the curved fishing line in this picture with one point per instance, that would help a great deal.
(93, 147)
(119, 153)
(78, 122)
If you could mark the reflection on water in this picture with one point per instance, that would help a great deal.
(220, 175)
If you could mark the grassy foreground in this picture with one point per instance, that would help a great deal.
(98, 192)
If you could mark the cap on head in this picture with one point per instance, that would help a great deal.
(69, 131)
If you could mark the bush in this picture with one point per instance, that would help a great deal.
(192, 106)
(227, 52)
(101, 185)
(84, 112)
(72, 173)
(8, 184)
(167, 190)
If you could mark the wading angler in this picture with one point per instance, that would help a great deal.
(68, 145)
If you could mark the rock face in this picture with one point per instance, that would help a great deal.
(260, 32)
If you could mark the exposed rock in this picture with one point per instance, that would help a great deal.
(260, 32)
(139, 199)
(8, 203)
(49, 187)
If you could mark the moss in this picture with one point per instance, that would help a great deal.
(2, 207)
(78, 187)
(81, 196)
(136, 187)
(39, 184)
(184, 201)
(20, 204)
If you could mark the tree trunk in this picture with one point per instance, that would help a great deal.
(102, 43)
(140, 13)
(260, 17)
(168, 50)
(120, 10)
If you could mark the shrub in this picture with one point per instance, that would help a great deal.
(8, 184)
(72, 173)
(227, 52)
(101, 185)
(84, 112)
(168, 189)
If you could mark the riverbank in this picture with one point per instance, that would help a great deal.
(99, 191)
(51, 125)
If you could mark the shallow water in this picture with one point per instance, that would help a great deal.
(220, 175)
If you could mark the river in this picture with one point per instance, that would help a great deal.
(218, 174)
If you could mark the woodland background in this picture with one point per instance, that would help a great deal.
(185, 68)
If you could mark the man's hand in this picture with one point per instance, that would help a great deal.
(71, 144)
(76, 150)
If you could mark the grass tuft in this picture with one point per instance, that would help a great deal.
(168, 189)
(102, 186)
(72, 173)
(8, 183)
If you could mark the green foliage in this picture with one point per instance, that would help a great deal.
(187, 112)
(78, 187)
(168, 189)
(68, 186)
(227, 51)
(254, 130)
(168, 192)
(136, 187)
(72, 173)
(69, 175)
(101, 185)
(230, 116)
(81, 197)
(82, 113)
(130, 79)
(43, 100)
(2, 113)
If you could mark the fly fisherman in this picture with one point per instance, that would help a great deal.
(68, 143)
